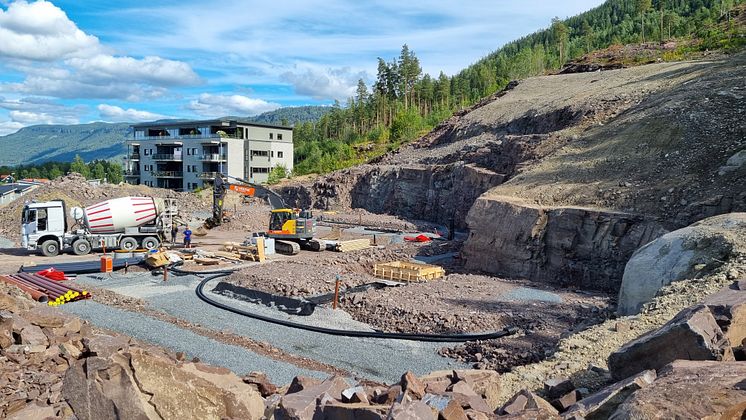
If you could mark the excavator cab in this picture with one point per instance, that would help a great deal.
(279, 219)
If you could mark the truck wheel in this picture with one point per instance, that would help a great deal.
(151, 242)
(50, 248)
(81, 247)
(128, 244)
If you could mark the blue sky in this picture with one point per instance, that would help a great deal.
(73, 61)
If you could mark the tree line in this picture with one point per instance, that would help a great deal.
(96, 169)
(403, 103)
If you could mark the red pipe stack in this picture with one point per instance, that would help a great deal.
(43, 289)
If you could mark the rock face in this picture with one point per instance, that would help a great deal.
(677, 255)
(691, 389)
(435, 193)
(566, 246)
(693, 334)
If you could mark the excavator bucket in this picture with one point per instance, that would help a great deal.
(200, 231)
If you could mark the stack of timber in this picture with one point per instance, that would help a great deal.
(236, 251)
(352, 245)
(408, 271)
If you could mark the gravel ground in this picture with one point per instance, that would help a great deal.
(238, 359)
(6, 243)
(376, 359)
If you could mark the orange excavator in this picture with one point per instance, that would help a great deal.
(291, 228)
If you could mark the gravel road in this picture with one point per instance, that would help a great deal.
(376, 359)
(235, 358)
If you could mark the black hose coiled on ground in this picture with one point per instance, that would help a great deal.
(442, 338)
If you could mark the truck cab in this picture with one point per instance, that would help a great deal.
(43, 226)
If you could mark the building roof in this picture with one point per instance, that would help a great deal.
(219, 121)
(13, 188)
(35, 180)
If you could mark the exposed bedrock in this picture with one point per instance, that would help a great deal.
(568, 246)
(435, 193)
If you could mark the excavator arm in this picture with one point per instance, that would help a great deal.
(221, 186)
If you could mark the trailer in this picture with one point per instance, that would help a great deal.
(126, 223)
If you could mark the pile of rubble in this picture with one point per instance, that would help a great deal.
(292, 278)
(76, 191)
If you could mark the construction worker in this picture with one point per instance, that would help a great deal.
(187, 237)
(174, 231)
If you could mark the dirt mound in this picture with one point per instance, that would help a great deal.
(76, 191)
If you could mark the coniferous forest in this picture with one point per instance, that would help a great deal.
(403, 103)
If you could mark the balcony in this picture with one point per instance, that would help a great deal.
(134, 156)
(208, 175)
(132, 173)
(168, 174)
(214, 157)
(187, 137)
(167, 156)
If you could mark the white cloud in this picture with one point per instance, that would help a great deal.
(9, 127)
(320, 83)
(115, 113)
(221, 105)
(75, 64)
(42, 31)
(152, 70)
(33, 110)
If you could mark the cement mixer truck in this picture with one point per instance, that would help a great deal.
(126, 223)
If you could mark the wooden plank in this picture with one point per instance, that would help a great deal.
(227, 255)
(206, 261)
(260, 248)
(352, 245)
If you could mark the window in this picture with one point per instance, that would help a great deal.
(194, 168)
(259, 170)
(279, 154)
(194, 150)
(270, 136)
(272, 153)
(279, 136)
(262, 153)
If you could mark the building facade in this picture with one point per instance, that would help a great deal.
(186, 155)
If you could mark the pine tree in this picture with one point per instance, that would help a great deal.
(560, 34)
(79, 166)
(642, 7)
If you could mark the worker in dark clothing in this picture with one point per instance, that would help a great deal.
(174, 231)
(187, 237)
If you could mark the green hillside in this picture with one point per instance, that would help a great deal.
(60, 143)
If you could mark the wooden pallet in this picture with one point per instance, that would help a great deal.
(407, 271)
(352, 245)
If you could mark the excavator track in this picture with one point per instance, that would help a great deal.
(287, 247)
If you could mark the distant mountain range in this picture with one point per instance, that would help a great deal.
(46, 143)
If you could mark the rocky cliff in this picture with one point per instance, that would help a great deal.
(605, 161)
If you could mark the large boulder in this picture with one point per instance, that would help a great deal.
(140, 384)
(195, 390)
(693, 334)
(678, 255)
(691, 389)
(728, 306)
(604, 402)
(303, 405)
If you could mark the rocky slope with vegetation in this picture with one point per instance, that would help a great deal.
(560, 178)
